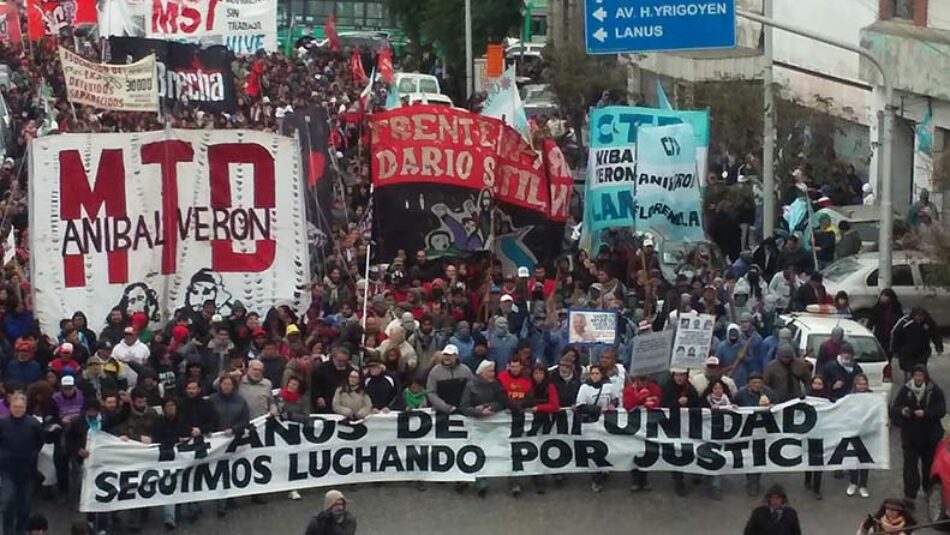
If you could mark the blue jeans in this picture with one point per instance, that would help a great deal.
(15, 496)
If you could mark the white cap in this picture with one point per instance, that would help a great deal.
(450, 349)
(216, 318)
(68, 380)
(648, 242)
(507, 297)
(523, 272)
(867, 188)
(66, 347)
(712, 361)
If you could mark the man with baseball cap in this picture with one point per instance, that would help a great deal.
(24, 369)
(447, 380)
(64, 363)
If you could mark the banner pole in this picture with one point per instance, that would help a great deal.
(369, 253)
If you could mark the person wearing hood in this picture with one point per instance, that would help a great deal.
(839, 374)
(918, 409)
(923, 204)
(771, 344)
(758, 287)
(685, 308)
(482, 397)
(787, 374)
(463, 340)
(501, 343)
(894, 517)
(334, 519)
(775, 517)
(829, 349)
(911, 340)
(733, 355)
(447, 381)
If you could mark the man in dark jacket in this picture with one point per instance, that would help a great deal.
(677, 394)
(21, 438)
(447, 381)
(196, 412)
(776, 517)
(839, 374)
(327, 377)
(566, 380)
(812, 293)
(911, 340)
(917, 409)
(334, 519)
(850, 243)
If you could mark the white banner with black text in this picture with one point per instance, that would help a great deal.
(274, 456)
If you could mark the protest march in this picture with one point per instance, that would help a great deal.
(236, 271)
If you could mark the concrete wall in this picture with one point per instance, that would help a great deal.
(938, 14)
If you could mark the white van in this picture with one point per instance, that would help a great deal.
(406, 83)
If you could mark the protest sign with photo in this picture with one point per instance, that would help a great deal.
(589, 326)
(131, 87)
(693, 335)
(277, 456)
(651, 353)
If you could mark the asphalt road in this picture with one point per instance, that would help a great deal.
(401, 509)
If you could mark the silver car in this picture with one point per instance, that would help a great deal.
(918, 281)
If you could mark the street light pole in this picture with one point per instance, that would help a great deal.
(768, 123)
(469, 56)
(885, 137)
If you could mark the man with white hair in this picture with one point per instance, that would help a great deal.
(334, 519)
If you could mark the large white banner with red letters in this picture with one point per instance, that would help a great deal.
(175, 19)
(156, 221)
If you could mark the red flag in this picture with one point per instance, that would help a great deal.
(34, 17)
(356, 68)
(330, 30)
(384, 65)
(316, 168)
(85, 12)
(11, 32)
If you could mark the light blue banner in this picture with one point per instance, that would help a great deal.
(614, 135)
(669, 198)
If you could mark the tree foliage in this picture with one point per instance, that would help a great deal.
(442, 24)
(577, 80)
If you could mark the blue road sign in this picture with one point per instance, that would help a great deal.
(618, 26)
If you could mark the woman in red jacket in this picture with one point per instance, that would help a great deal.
(545, 393)
(641, 391)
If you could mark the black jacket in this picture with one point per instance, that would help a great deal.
(324, 382)
(198, 412)
(926, 431)
(672, 392)
(324, 524)
(20, 442)
(763, 522)
(166, 432)
(566, 390)
(910, 341)
(383, 390)
(834, 372)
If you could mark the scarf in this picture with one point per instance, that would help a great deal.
(893, 525)
(722, 400)
(849, 367)
(413, 401)
(288, 396)
(918, 391)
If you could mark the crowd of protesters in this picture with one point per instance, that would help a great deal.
(454, 335)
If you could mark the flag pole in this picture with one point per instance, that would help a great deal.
(369, 253)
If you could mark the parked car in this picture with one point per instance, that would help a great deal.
(938, 497)
(865, 219)
(809, 331)
(917, 279)
(413, 82)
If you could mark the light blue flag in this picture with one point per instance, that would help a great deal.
(504, 102)
(392, 99)
(669, 198)
(925, 132)
(611, 173)
(663, 102)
